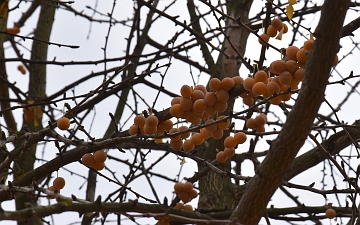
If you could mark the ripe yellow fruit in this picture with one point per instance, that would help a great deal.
(197, 139)
(139, 120)
(249, 83)
(188, 146)
(176, 111)
(215, 84)
(227, 83)
(186, 91)
(291, 52)
(261, 76)
(278, 66)
(152, 121)
(63, 123)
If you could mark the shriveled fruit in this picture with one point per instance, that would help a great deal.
(330, 213)
(63, 123)
(100, 156)
(88, 159)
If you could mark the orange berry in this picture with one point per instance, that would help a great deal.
(223, 125)
(221, 157)
(173, 131)
(229, 142)
(276, 100)
(278, 66)
(210, 110)
(291, 66)
(193, 194)
(265, 37)
(29, 114)
(285, 28)
(201, 88)
(222, 95)
(204, 133)
(272, 87)
(259, 88)
(88, 159)
(212, 127)
(55, 190)
(175, 100)
(98, 166)
(149, 130)
(261, 76)
(176, 145)
(215, 84)
(197, 139)
(197, 94)
(21, 69)
(248, 100)
(260, 129)
(301, 57)
(285, 78)
(220, 106)
(271, 31)
(63, 123)
(240, 137)
(179, 205)
(308, 45)
(229, 152)
(133, 129)
(167, 125)
(188, 208)
(210, 98)
(184, 135)
(277, 24)
(59, 182)
(330, 213)
(178, 187)
(217, 134)
(249, 83)
(176, 111)
(238, 80)
(291, 52)
(261, 120)
(227, 83)
(188, 146)
(250, 123)
(139, 120)
(200, 105)
(186, 91)
(152, 121)
(100, 156)
(188, 186)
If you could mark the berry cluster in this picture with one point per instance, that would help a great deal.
(58, 183)
(257, 123)
(96, 160)
(185, 191)
(277, 27)
(149, 125)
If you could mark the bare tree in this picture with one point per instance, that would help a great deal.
(262, 117)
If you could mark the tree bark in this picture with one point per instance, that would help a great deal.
(283, 150)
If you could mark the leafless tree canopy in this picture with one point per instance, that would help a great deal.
(202, 76)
